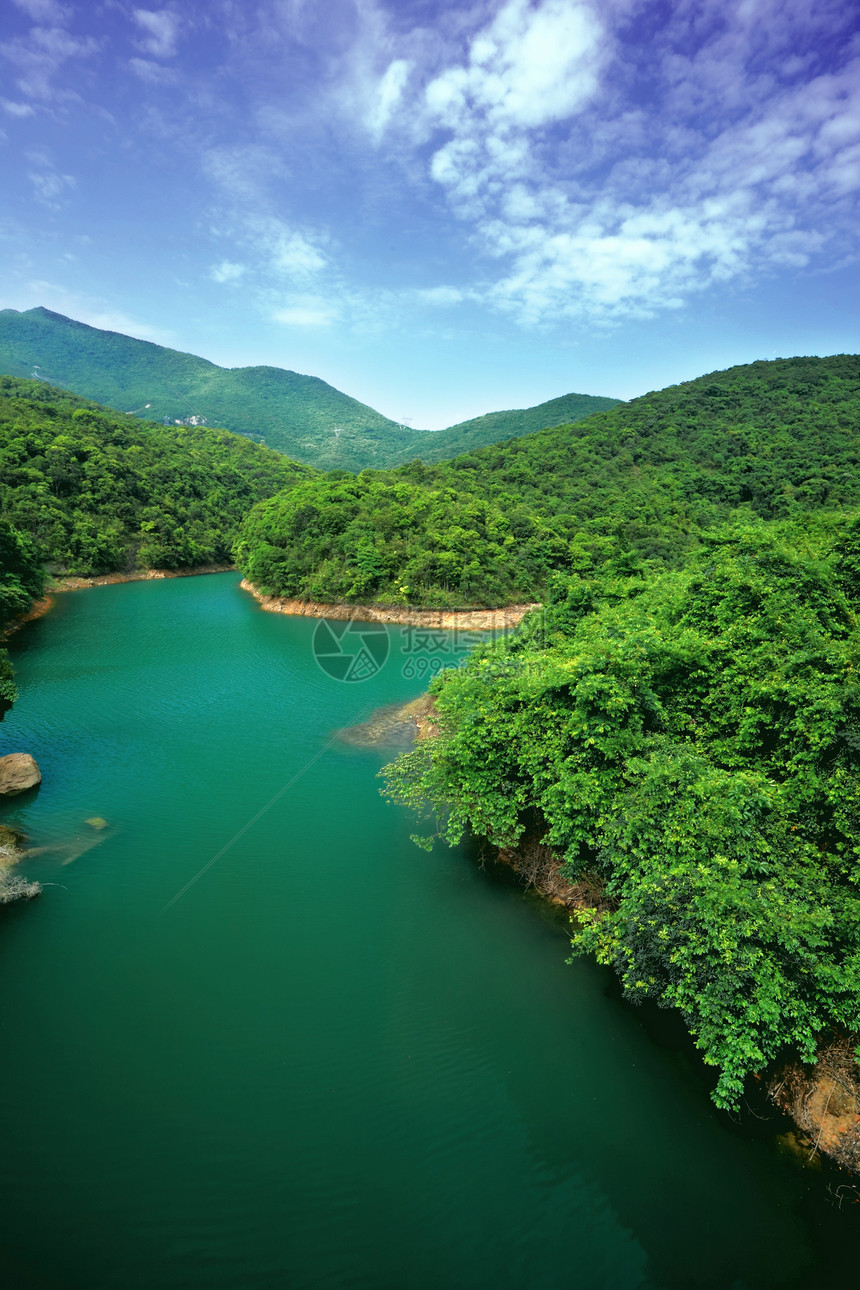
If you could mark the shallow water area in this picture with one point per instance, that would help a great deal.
(254, 1037)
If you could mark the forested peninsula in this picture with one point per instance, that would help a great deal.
(675, 732)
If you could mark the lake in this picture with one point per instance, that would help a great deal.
(254, 1037)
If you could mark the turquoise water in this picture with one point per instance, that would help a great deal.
(333, 1060)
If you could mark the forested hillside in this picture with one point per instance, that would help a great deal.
(86, 491)
(97, 492)
(637, 483)
(21, 581)
(302, 416)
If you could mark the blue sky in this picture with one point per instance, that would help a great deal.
(440, 208)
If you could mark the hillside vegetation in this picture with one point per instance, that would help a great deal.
(301, 416)
(687, 745)
(96, 492)
(496, 427)
(639, 483)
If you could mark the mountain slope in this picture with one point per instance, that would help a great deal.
(301, 416)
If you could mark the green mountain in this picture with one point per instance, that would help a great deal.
(301, 416)
(639, 483)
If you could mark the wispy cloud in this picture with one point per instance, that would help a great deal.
(45, 11)
(227, 271)
(151, 72)
(40, 56)
(307, 311)
(50, 186)
(160, 31)
(17, 109)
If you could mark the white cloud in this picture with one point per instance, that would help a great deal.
(45, 11)
(227, 271)
(388, 96)
(307, 312)
(440, 296)
(287, 251)
(152, 73)
(600, 200)
(529, 67)
(50, 186)
(39, 57)
(17, 109)
(161, 31)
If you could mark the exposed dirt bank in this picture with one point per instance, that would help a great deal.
(824, 1101)
(469, 620)
(538, 867)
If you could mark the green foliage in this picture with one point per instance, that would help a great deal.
(693, 736)
(21, 580)
(378, 538)
(94, 492)
(496, 427)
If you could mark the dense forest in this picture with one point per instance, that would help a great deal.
(302, 416)
(686, 744)
(99, 492)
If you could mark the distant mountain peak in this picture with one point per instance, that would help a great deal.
(300, 415)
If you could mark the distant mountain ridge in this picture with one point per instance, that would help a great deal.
(302, 416)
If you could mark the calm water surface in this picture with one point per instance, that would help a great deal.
(334, 1060)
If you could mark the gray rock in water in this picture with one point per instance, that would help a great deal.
(18, 772)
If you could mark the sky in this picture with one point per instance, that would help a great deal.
(442, 209)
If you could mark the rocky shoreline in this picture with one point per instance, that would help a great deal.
(134, 575)
(469, 620)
